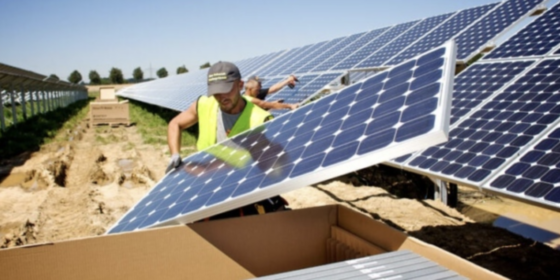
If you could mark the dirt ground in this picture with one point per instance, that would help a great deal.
(80, 187)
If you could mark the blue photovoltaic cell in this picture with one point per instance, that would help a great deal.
(494, 134)
(361, 125)
(349, 49)
(280, 62)
(535, 175)
(373, 46)
(403, 41)
(479, 81)
(291, 69)
(478, 35)
(537, 38)
(328, 53)
(443, 32)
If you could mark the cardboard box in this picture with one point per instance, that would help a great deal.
(237, 248)
(111, 113)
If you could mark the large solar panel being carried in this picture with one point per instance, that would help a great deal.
(390, 114)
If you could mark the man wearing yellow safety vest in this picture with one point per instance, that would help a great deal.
(222, 114)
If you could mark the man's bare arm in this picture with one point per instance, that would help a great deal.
(273, 105)
(182, 121)
(278, 86)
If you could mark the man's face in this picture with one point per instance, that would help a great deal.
(229, 101)
(252, 88)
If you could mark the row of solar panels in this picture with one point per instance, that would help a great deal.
(503, 137)
(473, 29)
(505, 120)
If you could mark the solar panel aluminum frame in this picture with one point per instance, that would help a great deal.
(438, 134)
(492, 41)
(404, 165)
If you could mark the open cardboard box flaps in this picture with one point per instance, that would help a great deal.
(237, 248)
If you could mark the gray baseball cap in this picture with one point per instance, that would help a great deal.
(221, 76)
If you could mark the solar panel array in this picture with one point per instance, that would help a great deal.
(505, 116)
(472, 28)
(395, 112)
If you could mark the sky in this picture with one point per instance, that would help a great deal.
(60, 36)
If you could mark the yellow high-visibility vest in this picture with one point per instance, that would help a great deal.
(207, 109)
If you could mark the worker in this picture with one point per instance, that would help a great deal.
(255, 83)
(222, 114)
(256, 94)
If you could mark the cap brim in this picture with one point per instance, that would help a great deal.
(219, 88)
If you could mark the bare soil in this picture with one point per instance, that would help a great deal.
(81, 187)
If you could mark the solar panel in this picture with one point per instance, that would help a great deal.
(474, 39)
(496, 133)
(306, 92)
(279, 63)
(403, 41)
(536, 39)
(480, 81)
(443, 32)
(349, 49)
(173, 92)
(393, 265)
(316, 52)
(535, 175)
(258, 63)
(371, 47)
(383, 117)
(287, 92)
(312, 63)
(477, 83)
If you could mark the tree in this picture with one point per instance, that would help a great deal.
(162, 72)
(94, 78)
(53, 77)
(205, 65)
(75, 77)
(138, 74)
(182, 69)
(116, 76)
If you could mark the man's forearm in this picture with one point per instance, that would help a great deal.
(173, 138)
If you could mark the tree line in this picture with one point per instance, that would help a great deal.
(116, 75)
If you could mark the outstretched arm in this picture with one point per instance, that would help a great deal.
(182, 121)
(291, 80)
(273, 105)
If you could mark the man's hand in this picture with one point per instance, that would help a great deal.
(293, 106)
(174, 162)
(292, 81)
